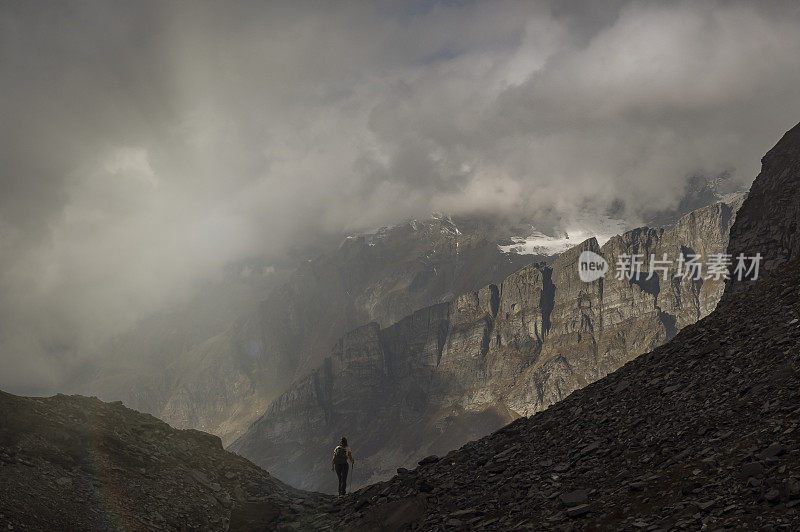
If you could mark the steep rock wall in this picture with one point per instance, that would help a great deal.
(455, 371)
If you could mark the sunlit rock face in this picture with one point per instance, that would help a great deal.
(455, 371)
(597, 327)
(684, 410)
(224, 381)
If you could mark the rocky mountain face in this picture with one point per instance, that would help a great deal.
(769, 225)
(455, 371)
(701, 433)
(225, 381)
(77, 463)
(217, 362)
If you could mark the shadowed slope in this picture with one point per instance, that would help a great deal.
(72, 462)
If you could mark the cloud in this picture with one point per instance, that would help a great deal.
(145, 145)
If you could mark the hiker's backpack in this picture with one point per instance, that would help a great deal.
(340, 455)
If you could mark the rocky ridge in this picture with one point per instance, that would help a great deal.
(456, 371)
(77, 463)
(769, 225)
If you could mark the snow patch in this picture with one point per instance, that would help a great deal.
(575, 232)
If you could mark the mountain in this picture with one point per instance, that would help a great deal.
(129, 360)
(223, 381)
(700, 433)
(144, 365)
(77, 463)
(216, 361)
(455, 371)
(698, 192)
(770, 223)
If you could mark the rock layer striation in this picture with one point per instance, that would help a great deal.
(455, 371)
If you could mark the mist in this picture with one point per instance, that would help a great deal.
(146, 145)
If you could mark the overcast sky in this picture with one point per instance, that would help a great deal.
(144, 145)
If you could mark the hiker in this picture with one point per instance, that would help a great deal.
(339, 463)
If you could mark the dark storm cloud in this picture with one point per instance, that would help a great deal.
(144, 145)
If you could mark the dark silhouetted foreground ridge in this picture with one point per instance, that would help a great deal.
(77, 463)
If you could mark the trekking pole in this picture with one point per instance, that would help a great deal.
(350, 481)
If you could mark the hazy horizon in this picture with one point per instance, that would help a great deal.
(148, 145)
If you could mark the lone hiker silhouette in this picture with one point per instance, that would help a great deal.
(339, 464)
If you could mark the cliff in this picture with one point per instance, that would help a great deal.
(700, 433)
(455, 371)
(222, 383)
